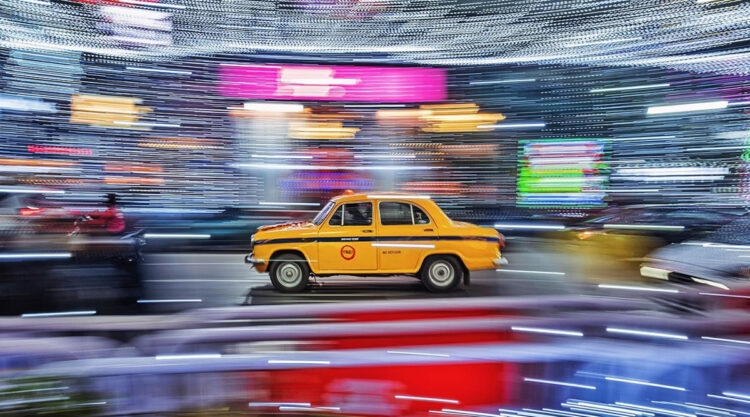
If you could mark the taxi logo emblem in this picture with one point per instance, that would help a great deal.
(348, 252)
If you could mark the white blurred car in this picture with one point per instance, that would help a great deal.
(721, 260)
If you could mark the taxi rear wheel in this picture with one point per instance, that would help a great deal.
(441, 273)
(289, 273)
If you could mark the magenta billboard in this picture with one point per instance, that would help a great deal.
(334, 83)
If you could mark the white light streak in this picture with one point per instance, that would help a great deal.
(281, 156)
(185, 300)
(397, 196)
(509, 81)
(724, 295)
(736, 395)
(604, 42)
(717, 148)
(281, 203)
(635, 288)
(25, 190)
(262, 404)
(145, 124)
(634, 87)
(154, 69)
(37, 255)
(688, 107)
(297, 362)
(565, 384)
(274, 107)
(508, 226)
(406, 352)
(386, 156)
(645, 383)
(403, 245)
(60, 314)
(722, 339)
(188, 356)
(154, 4)
(644, 227)
(176, 236)
(728, 398)
(546, 331)
(333, 167)
(531, 272)
(512, 125)
(658, 410)
(647, 333)
(464, 413)
(429, 399)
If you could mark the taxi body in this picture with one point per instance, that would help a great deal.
(376, 234)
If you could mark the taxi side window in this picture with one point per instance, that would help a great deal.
(393, 213)
(420, 217)
(336, 217)
(357, 214)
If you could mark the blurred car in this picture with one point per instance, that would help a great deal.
(669, 223)
(377, 234)
(631, 232)
(720, 260)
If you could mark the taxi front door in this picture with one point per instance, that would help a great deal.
(345, 241)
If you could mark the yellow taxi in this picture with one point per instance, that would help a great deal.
(376, 234)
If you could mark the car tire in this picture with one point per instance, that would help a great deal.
(441, 273)
(290, 273)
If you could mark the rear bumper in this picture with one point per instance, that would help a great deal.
(500, 261)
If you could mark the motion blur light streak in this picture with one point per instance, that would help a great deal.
(689, 107)
(429, 399)
(629, 88)
(646, 383)
(59, 314)
(723, 339)
(646, 333)
(531, 272)
(566, 384)
(404, 352)
(176, 236)
(36, 255)
(188, 356)
(634, 288)
(546, 331)
(727, 398)
(734, 394)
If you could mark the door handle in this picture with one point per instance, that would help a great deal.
(429, 230)
(367, 231)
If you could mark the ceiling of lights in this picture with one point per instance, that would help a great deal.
(693, 35)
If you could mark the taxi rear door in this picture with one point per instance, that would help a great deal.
(404, 232)
(345, 240)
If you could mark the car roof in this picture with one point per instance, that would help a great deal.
(379, 196)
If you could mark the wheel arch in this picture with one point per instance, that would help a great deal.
(282, 251)
(465, 270)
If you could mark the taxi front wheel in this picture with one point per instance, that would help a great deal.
(441, 273)
(289, 273)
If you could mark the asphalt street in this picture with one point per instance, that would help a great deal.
(179, 281)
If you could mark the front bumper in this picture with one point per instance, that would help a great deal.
(249, 259)
(650, 271)
(500, 261)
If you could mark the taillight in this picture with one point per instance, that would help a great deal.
(501, 242)
(30, 211)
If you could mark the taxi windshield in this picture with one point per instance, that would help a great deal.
(323, 213)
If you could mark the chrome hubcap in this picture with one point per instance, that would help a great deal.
(290, 274)
(441, 273)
